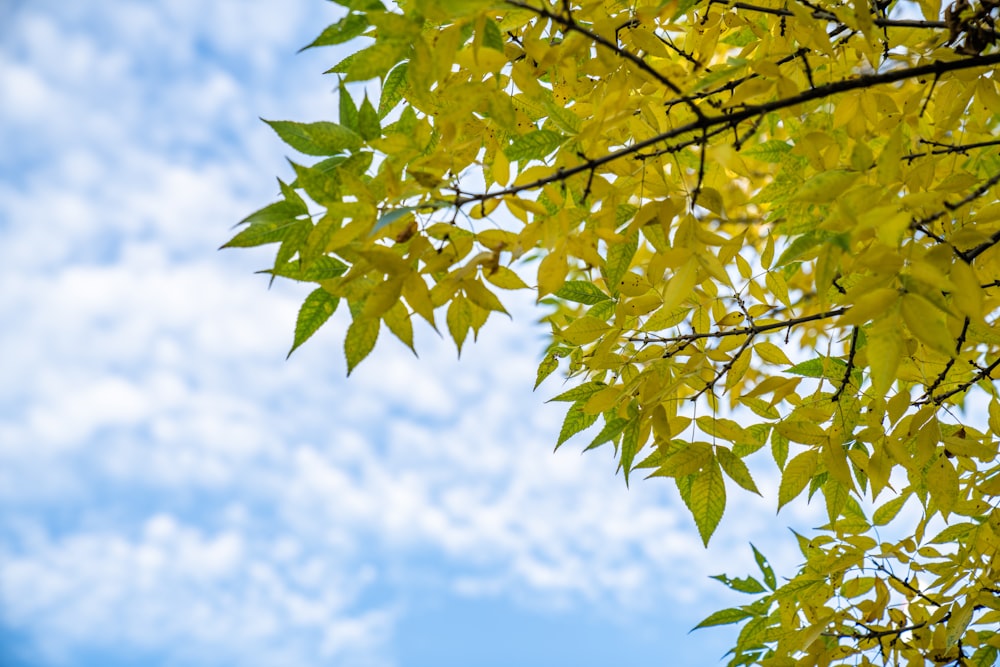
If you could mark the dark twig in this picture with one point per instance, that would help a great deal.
(850, 366)
(829, 16)
(951, 362)
(752, 329)
(945, 149)
(964, 386)
(905, 584)
(725, 368)
(570, 25)
(750, 111)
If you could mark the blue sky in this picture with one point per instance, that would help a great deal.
(173, 492)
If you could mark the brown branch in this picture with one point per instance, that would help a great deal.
(701, 124)
(753, 329)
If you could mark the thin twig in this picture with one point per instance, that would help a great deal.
(753, 329)
(707, 122)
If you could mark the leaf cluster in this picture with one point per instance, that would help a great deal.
(766, 235)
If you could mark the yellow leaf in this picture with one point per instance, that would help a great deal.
(382, 297)
(359, 341)
(552, 272)
(585, 330)
(804, 432)
(968, 295)
(641, 305)
(796, 475)
(603, 400)
(484, 208)
(927, 323)
(504, 278)
(771, 353)
(826, 186)
(459, 319)
(885, 349)
(632, 284)
(942, 484)
(730, 320)
(779, 288)
(417, 294)
(397, 319)
(869, 306)
(482, 297)
(680, 285)
(835, 460)
(708, 500)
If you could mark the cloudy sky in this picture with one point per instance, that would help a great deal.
(174, 492)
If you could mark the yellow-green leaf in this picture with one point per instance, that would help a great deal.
(736, 469)
(708, 499)
(315, 311)
(360, 340)
(585, 330)
(796, 475)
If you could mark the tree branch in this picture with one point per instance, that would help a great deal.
(751, 330)
(862, 81)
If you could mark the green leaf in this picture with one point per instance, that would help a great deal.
(579, 393)
(315, 311)
(723, 617)
(707, 500)
(360, 341)
(887, 512)
(348, 110)
(459, 319)
(397, 318)
(545, 368)
(797, 474)
(322, 268)
(765, 568)
(618, 260)
(576, 420)
(585, 330)
(742, 585)
(342, 31)
(779, 448)
(830, 368)
(534, 145)
(262, 233)
(985, 656)
(736, 469)
(492, 37)
(770, 151)
(368, 121)
(321, 138)
(279, 211)
(612, 429)
(799, 247)
(392, 89)
(582, 291)
(630, 443)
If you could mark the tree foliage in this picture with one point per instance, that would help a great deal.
(763, 231)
